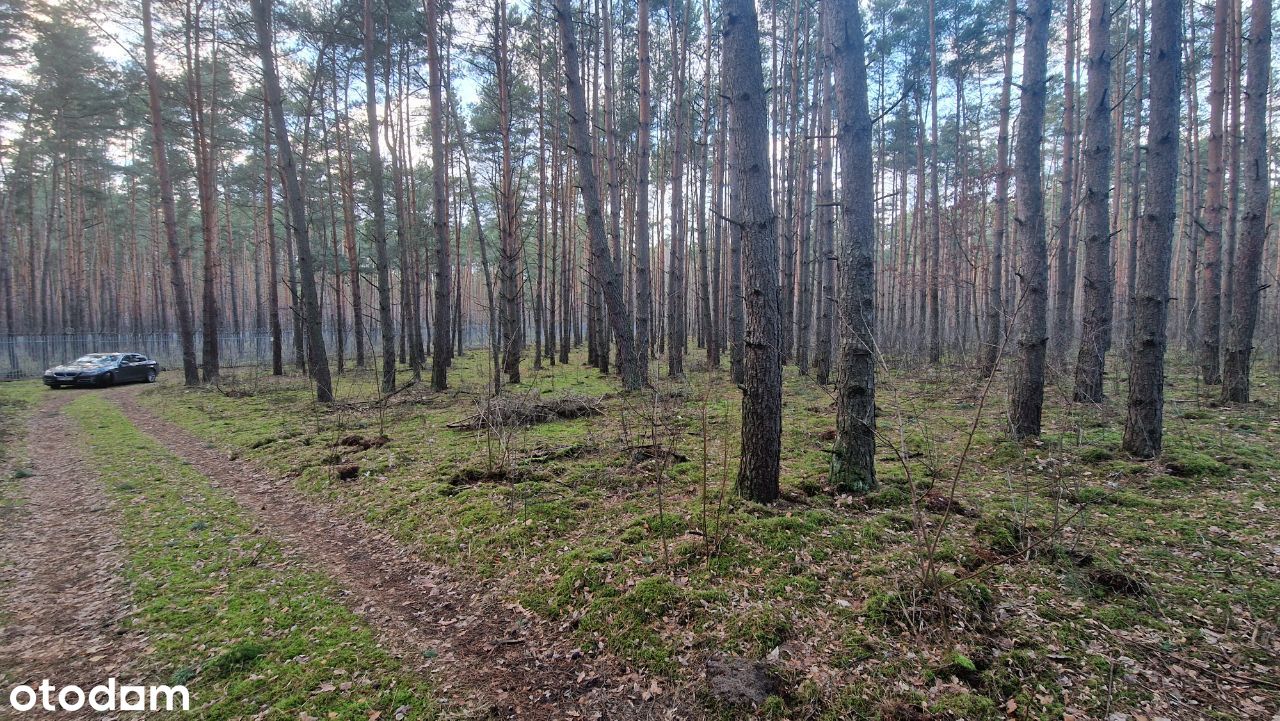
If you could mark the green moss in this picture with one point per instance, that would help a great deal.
(1096, 455)
(780, 532)
(1168, 483)
(627, 622)
(1185, 463)
(889, 497)
(667, 525)
(1000, 534)
(882, 608)
(968, 706)
(963, 661)
(237, 657)
(773, 707)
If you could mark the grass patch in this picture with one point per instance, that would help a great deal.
(252, 633)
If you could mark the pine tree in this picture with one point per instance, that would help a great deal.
(1027, 399)
(751, 213)
(853, 463)
(1246, 292)
(1095, 335)
(1144, 426)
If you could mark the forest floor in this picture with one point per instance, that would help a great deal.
(370, 561)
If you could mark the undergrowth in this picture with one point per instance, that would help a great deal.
(1058, 562)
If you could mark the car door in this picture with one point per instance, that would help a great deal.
(129, 368)
(140, 367)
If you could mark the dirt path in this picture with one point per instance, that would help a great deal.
(63, 600)
(488, 657)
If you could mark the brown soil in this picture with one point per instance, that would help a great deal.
(63, 599)
(488, 657)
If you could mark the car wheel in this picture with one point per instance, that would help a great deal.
(109, 379)
(151, 376)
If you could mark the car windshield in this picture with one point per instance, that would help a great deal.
(96, 359)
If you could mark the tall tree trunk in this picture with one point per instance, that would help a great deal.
(185, 333)
(346, 177)
(273, 260)
(1191, 219)
(753, 218)
(1135, 179)
(935, 207)
(316, 359)
(995, 291)
(1144, 427)
(539, 290)
(705, 322)
(643, 278)
(1027, 399)
(1246, 291)
(580, 138)
(676, 335)
(378, 201)
(853, 462)
(1230, 228)
(205, 191)
(826, 230)
(718, 302)
(1064, 293)
(1095, 334)
(510, 261)
(1210, 286)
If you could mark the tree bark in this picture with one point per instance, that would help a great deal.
(440, 345)
(934, 260)
(853, 467)
(1144, 427)
(1210, 285)
(753, 217)
(676, 317)
(1095, 334)
(1065, 290)
(202, 150)
(826, 230)
(346, 177)
(643, 278)
(273, 260)
(995, 291)
(510, 252)
(1028, 384)
(1246, 291)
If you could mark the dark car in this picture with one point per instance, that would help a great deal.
(103, 369)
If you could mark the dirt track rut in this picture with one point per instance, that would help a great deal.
(63, 597)
(489, 658)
